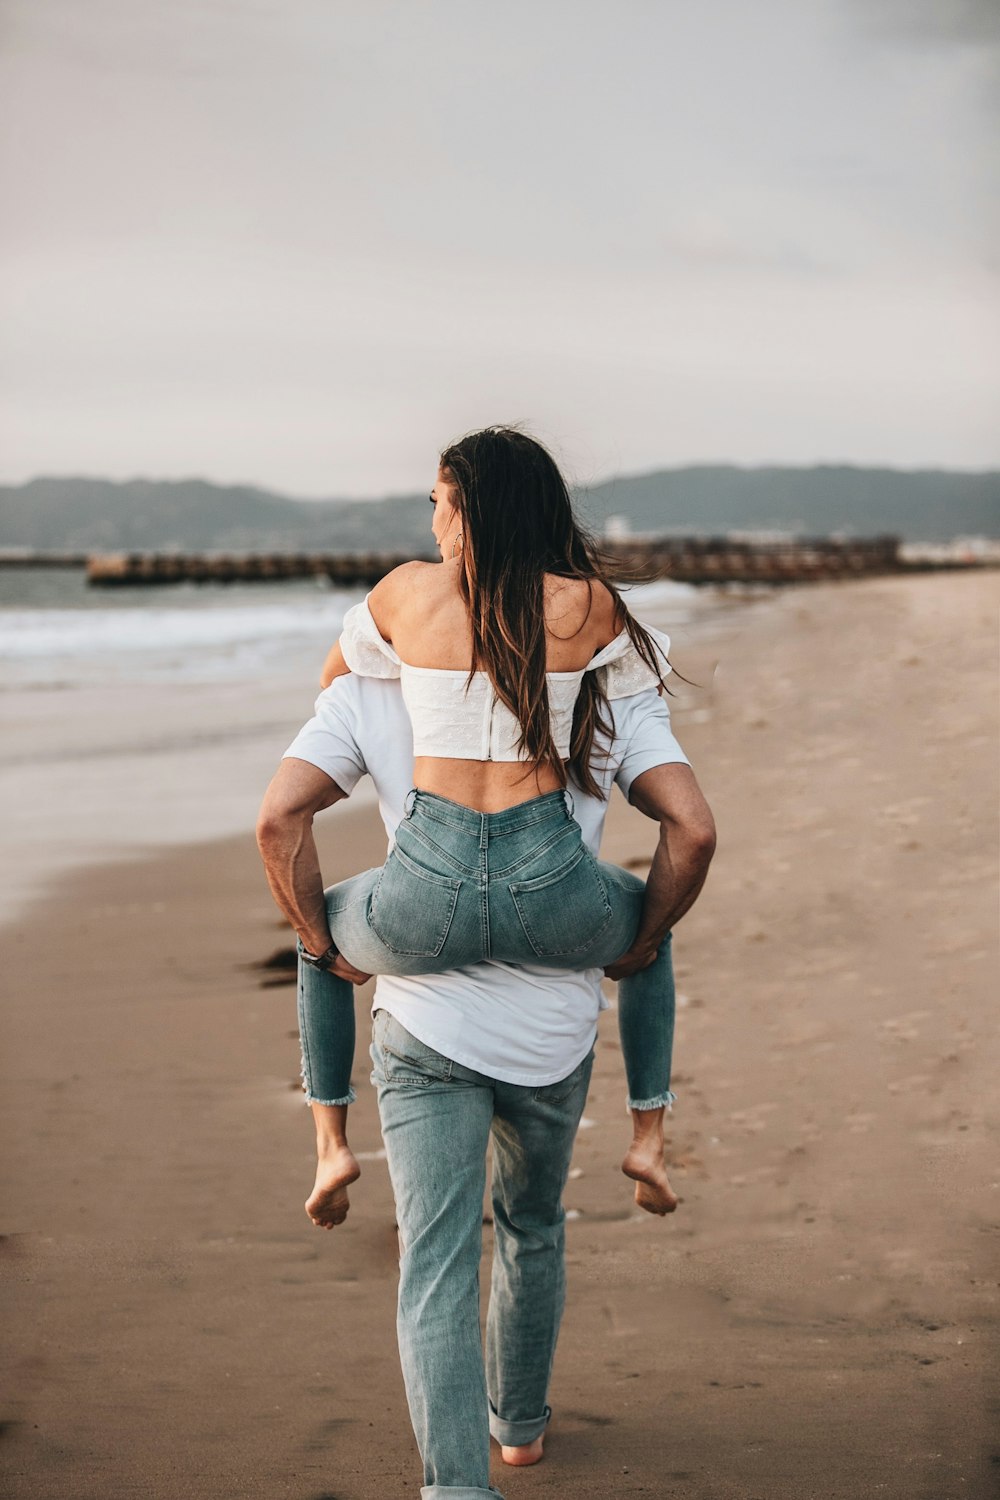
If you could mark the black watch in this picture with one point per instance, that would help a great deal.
(324, 961)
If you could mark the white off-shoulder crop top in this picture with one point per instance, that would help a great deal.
(462, 720)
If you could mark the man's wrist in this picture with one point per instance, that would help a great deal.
(650, 942)
(322, 959)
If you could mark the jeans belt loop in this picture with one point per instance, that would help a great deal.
(408, 802)
(570, 804)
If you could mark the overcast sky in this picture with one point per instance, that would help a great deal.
(303, 243)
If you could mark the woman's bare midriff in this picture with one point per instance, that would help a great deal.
(484, 785)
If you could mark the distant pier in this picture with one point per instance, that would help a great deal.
(118, 569)
(737, 559)
(31, 557)
(749, 560)
(698, 560)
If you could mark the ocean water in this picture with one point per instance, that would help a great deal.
(57, 632)
(137, 718)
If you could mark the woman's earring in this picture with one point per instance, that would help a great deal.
(457, 545)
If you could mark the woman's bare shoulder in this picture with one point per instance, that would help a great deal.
(403, 575)
(573, 604)
(607, 606)
(397, 585)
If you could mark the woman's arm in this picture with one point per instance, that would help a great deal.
(334, 666)
(383, 603)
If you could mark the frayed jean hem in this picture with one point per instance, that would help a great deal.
(517, 1434)
(349, 1098)
(665, 1100)
(457, 1492)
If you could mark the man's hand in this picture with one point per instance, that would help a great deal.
(633, 962)
(344, 970)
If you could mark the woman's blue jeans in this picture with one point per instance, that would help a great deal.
(460, 887)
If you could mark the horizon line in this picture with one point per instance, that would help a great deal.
(405, 494)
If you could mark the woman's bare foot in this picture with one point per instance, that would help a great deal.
(645, 1164)
(527, 1453)
(336, 1167)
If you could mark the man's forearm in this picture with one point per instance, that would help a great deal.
(297, 792)
(676, 876)
(291, 862)
(671, 795)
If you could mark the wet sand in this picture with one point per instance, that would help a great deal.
(819, 1318)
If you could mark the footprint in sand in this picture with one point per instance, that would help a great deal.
(903, 1028)
(750, 1119)
(910, 1085)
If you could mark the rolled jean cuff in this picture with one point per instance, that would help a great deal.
(517, 1434)
(457, 1492)
(348, 1098)
(666, 1100)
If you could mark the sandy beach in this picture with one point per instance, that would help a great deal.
(820, 1316)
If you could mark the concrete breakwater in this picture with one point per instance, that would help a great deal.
(30, 557)
(686, 559)
(114, 569)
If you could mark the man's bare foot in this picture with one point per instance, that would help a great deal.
(644, 1163)
(527, 1453)
(336, 1169)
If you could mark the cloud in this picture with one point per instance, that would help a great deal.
(934, 23)
(291, 239)
(188, 38)
(714, 251)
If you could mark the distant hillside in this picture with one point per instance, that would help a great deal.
(921, 505)
(90, 514)
(94, 514)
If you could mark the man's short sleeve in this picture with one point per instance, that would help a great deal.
(329, 740)
(642, 727)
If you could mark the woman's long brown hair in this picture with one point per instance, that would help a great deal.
(517, 525)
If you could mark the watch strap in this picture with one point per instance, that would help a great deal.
(323, 961)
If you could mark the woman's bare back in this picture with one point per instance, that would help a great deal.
(418, 607)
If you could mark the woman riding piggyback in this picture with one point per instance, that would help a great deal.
(508, 652)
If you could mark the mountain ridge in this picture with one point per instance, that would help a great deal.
(90, 513)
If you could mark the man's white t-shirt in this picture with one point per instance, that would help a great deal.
(520, 1023)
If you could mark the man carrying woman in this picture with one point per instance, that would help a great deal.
(438, 1115)
(514, 668)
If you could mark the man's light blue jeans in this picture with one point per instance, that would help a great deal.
(437, 1119)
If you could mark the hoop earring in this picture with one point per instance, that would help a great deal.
(457, 545)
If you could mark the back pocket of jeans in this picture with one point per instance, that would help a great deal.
(565, 910)
(403, 1057)
(558, 1093)
(412, 908)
